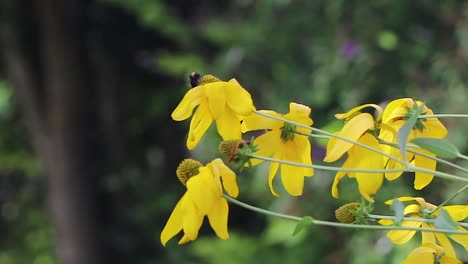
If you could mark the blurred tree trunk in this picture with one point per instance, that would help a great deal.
(48, 60)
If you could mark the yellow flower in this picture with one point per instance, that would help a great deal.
(423, 210)
(203, 197)
(224, 102)
(357, 127)
(280, 142)
(394, 117)
(429, 254)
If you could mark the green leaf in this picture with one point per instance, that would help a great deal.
(304, 222)
(405, 130)
(444, 221)
(398, 207)
(440, 147)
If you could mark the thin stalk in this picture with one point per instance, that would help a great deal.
(422, 220)
(341, 225)
(425, 155)
(444, 115)
(320, 167)
(451, 198)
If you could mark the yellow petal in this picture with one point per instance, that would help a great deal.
(422, 179)
(292, 179)
(185, 108)
(339, 175)
(218, 218)
(192, 220)
(200, 122)
(421, 255)
(396, 109)
(258, 122)
(268, 144)
(420, 200)
(216, 98)
(457, 212)
(174, 223)
(402, 236)
(352, 130)
(227, 175)
(359, 157)
(299, 113)
(357, 109)
(445, 243)
(427, 237)
(271, 175)
(228, 125)
(184, 240)
(412, 209)
(202, 190)
(305, 158)
(238, 99)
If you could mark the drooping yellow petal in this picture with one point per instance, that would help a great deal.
(339, 175)
(174, 223)
(271, 176)
(228, 177)
(216, 98)
(422, 179)
(457, 212)
(352, 130)
(427, 237)
(228, 125)
(292, 179)
(445, 243)
(402, 236)
(218, 218)
(302, 142)
(202, 190)
(368, 183)
(193, 219)
(200, 122)
(238, 99)
(258, 122)
(185, 108)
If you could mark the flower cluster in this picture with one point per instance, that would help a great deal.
(375, 143)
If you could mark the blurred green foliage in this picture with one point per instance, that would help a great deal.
(330, 55)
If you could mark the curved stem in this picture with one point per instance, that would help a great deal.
(342, 225)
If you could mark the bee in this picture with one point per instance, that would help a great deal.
(194, 79)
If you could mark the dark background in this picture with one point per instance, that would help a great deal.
(88, 150)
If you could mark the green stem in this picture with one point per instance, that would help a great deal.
(450, 198)
(444, 115)
(424, 155)
(422, 220)
(461, 156)
(342, 225)
(320, 167)
(331, 135)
